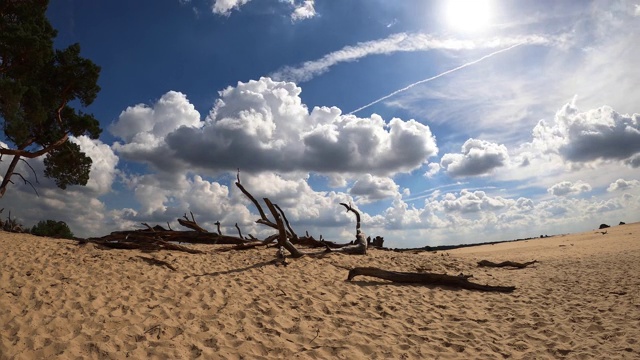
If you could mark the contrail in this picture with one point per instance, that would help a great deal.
(435, 77)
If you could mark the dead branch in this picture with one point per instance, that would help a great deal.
(263, 217)
(282, 234)
(26, 182)
(239, 232)
(191, 224)
(292, 233)
(360, 245)
(191, 237)
(518, 265)
(310, 241)
(426, 278)
(253, 244)
(349, 208)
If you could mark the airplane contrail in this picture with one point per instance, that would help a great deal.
(435, 77)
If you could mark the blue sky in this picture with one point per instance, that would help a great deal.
(476, 121)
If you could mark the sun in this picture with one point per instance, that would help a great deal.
(468, 15)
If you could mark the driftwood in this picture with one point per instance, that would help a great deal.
(426, 278)
(518, 265)
(283, 241)
(252, 244)
(190, 237)
(191, 224)
(310, 241)
(360, 245)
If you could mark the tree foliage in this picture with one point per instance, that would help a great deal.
(37, 85)
(52, 228)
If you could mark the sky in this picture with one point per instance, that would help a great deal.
(442, 122)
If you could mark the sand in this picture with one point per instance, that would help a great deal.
(60, 300)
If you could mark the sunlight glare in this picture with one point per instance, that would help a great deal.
(468, 15)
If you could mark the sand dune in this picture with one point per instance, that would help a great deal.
(60, 300)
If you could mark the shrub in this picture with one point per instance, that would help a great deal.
(52, 228)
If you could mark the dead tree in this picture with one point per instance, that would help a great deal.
(461, 281)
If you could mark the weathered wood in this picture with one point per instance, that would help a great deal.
(263, 217)
(292, 234)
(426, 278)
(360, 245)
(488, 263)
(251, 244)
(239, 231)
(349, 208)
(282, 234)
(191, 224)
(190, 237)
(310, 241)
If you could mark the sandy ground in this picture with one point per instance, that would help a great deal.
(60, 300)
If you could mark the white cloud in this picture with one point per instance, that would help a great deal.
(264, 126)
(224, 7)
(401, 42)
(476, 201)
(143, 129)
(170, 112)
(636, 11)
(370, 188)
(621, 185)
(598, 134)
(478, 157)
(434, 168)
(304, 10)
(565, 188)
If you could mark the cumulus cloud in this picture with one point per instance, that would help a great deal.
(565, 188)
(143, 129)
(264, 126)
(598, 134)
(434, 168)
(370, 188)
(400, 42)
(478, 157)
(224, 7)
(304, 10)
(621, 185)
(473, 201)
